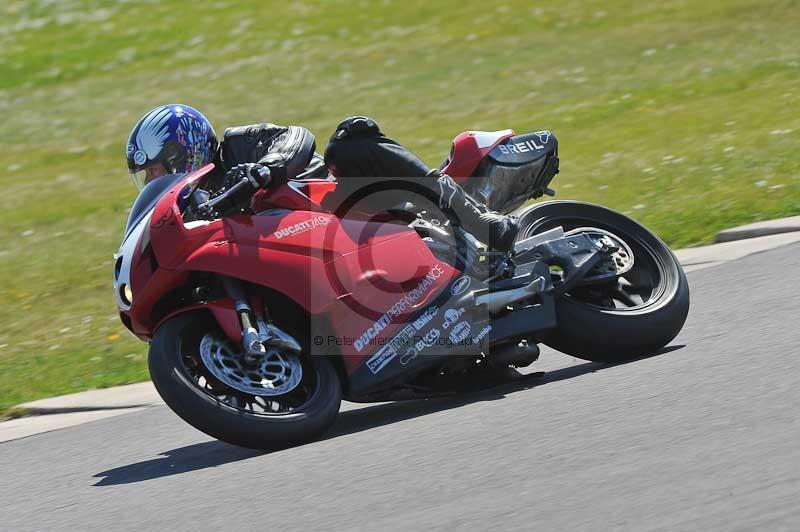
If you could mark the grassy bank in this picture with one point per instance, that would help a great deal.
(681, 114)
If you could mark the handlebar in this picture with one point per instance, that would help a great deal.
(236, 194)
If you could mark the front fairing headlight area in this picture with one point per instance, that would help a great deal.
(134, 253)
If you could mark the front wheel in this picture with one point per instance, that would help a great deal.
(282, 400)
(628, 316)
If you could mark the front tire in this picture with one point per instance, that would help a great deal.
(173, 368)
(594, 327)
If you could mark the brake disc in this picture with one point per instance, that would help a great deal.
(275, 373)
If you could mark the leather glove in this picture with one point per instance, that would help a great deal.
(258, 175)
(276, 164)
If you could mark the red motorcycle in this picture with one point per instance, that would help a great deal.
(259, 323)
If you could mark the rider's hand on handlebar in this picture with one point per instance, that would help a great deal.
(277, 165)
(256, 174)
(240, 183)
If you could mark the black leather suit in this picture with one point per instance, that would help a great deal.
(373, 172)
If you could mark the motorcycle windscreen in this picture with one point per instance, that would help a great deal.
(148, 198)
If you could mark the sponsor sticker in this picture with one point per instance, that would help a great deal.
(379, 360)
(451, 316)
(409, 355)
(402, 339)
(302, 227)
(408, 300)
(460, 286)
(426, 317)
(481, 335)
(527, 145)
(460, 332)
(544, 136)
(428, 340)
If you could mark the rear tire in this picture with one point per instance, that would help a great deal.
(179, 337)
(592, 332)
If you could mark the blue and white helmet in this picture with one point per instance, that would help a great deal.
(169, 139)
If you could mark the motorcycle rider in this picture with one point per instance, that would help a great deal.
(178, 138)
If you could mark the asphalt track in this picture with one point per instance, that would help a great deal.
(703, 436)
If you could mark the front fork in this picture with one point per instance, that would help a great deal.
(258, 331)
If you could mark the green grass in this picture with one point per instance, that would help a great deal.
(685, 115)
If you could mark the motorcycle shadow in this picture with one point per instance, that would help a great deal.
(216, 453)
(369, 417)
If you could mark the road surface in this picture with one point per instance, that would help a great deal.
(701, 437)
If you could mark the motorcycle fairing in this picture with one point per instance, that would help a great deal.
(129, 267)
(283, 250)
(321, 262)
(383, 288)
(374, 288)
(522, 149)
(299, 194)
(516, 170)
(451, 324)
(469, 149)
(223, 310)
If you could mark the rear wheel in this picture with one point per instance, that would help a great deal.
(282, 400)
(632, 315)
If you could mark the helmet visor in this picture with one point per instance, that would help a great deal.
(142, 176)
